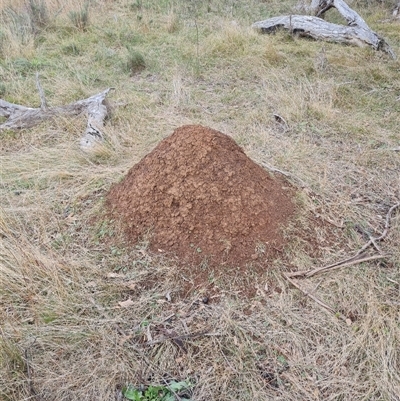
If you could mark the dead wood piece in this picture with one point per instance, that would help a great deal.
(299, 181)
(387, 222)
(334, 266)
(279, 119)
(97, 112)
(19, 117)
(356, 32)
(316, 299)
(175, 337)
(43, 103)
(396, 10)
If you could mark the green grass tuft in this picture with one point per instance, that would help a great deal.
(80, 18)
(135, 62)
(39, 15)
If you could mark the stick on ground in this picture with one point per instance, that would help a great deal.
(359, 257)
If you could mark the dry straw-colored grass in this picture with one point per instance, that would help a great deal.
(63, 333)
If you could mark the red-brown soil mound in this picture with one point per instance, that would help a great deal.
(199, 197)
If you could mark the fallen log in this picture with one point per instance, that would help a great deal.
(356, 32)
(19, 117)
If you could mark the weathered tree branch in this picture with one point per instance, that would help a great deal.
(43, 103)
(396, 10)
(356, 32)
(19, 117)
(352, 18)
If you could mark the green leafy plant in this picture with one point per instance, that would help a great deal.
(169, 392)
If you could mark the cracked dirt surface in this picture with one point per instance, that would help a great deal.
(197, 196)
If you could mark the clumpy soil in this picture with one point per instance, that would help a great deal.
(199, 198)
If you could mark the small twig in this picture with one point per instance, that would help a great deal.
(344, 264)
(178, 338)
(285, 173)
(323, 10)
(43, 103)
(226, 359)
(328, 220)
(387, 222)
(362, 249)
(373, 241)
(392, 281)
(186, 279)
(318, 284)
(172, 391)
(275, 170)
(197, 45)
(314, 298)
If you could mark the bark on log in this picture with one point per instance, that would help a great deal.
(19, 117)
(356, 32)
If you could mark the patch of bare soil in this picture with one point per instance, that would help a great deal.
(198, 197)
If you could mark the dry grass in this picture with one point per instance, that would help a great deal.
(60, 310)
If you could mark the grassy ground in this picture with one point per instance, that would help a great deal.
(64, 334)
